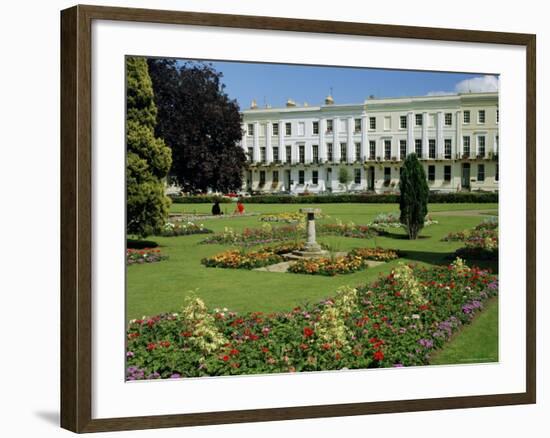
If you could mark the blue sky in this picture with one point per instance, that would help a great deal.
(273, 84)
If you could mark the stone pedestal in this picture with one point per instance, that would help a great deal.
(312, 248)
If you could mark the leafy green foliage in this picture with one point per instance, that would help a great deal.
(201, 124)
(414, 191)
(344, 176)
(148, 159)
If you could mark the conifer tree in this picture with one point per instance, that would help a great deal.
(148, 159)
(413, 201)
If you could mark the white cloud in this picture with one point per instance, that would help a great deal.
(481, 84)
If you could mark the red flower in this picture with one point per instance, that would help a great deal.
(151, 346)
(234, 352)
(424, 307)
(304, 346)
(308, 331)
(164, 344)
(265, 350)
(225, 358)
(186, 334)
(326, 346)
(379, 355)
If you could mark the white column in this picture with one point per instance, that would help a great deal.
(410, 132)
(425, 153)
(308, 150)
(351, 143)
(440, 146)
(459, 146)
(268, 146)
(295, 153)
(364, 137)
(322, 144)
(256, 145)
(335, 140)
(243, 140)
(281, 138)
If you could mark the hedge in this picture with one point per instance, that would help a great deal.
(468, 197)
(199, 199)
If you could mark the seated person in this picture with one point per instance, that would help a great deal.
(216, 210)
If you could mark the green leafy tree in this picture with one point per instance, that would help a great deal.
(201, 124)
(148, 159)
(344, 177)
(413, 201)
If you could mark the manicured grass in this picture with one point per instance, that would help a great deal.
(161, 287)
(475, 343)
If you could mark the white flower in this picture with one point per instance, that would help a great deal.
(416, 316)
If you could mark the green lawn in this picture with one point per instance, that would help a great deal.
(475, 343)
(161, 287)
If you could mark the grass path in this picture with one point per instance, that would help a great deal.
(475, 343)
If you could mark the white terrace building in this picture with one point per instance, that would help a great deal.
(302, 148)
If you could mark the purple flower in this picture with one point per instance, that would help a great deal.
(426, 343)
(175, 376)
(129, 354)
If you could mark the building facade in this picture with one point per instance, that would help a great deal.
(336, 148)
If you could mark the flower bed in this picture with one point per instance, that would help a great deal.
(354, 261)
(329, 266)
(490, 223)
(288, 218)
(242, 259)
(390, 220)
(347, 230)
(486, 229)
(376, 254)
(256, 236)
(145, 255)
(237, 259)
(397, 321)
(479, 248)
(183, 229)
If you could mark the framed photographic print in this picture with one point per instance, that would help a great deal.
(268, 219)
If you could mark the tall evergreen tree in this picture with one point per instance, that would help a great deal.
(413, 201)
(148, 159)
(201, 124)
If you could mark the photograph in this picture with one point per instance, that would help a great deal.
(285, 218)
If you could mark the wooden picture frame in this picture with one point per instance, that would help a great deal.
(76, 217)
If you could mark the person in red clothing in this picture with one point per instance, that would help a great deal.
(239, 209)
